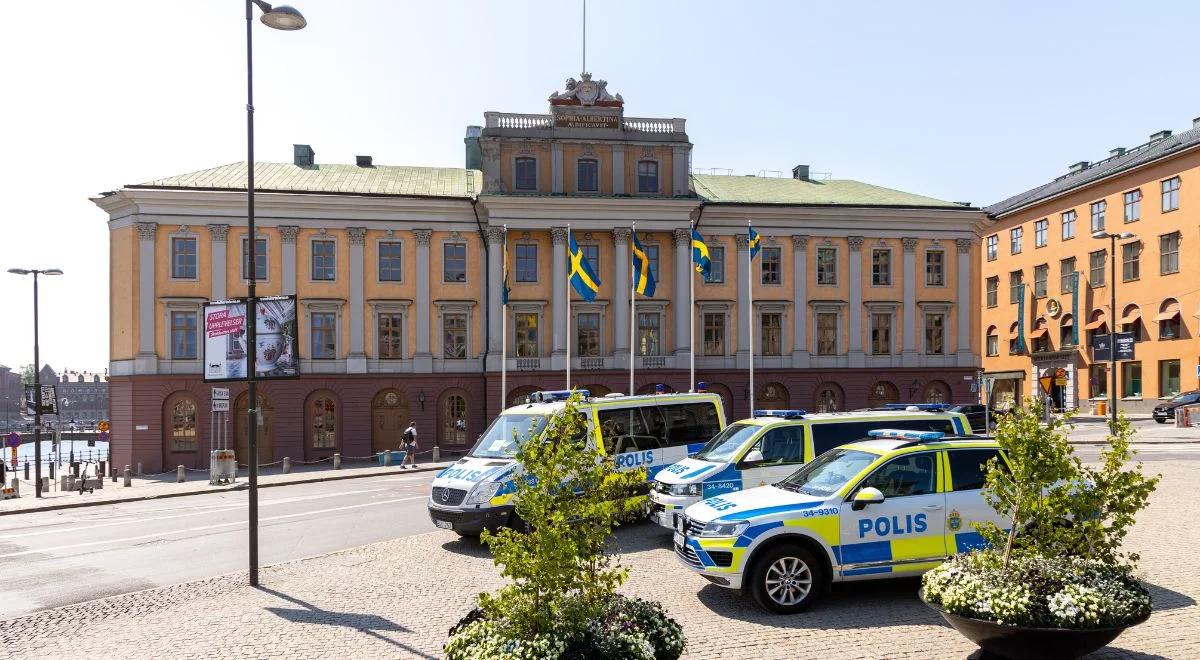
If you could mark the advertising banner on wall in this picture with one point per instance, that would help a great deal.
(225, 337)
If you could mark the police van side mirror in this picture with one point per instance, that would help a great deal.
(752, 457)
(866, 496)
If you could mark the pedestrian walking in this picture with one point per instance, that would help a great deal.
(410, 445)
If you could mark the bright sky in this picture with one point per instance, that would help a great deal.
(951, 99)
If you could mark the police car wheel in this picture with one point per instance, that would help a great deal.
(786, 580)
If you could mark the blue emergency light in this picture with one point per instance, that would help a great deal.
(548, 396)
(927, 407)
(783, 414)
(901, 434)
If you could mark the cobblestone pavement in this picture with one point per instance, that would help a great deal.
(398, 598)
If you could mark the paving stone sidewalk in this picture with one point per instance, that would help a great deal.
(398, 598)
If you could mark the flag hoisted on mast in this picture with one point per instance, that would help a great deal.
(505, 290)
(755, 245)
(642, 282)
(583, 279)
(703, 264)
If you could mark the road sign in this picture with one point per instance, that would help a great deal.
(1046, 382)
(12, 440)
(103, 426)
(220, 405)
(220, 394)
(1060, 377)
(103, 436)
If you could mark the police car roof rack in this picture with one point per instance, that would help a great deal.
(781, 413)
(927, 407)
(920, 437)
(549, 396)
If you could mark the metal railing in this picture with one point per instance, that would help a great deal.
(591, 363)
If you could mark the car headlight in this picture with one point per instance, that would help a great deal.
(483, 492)
(684, 489)
(731, 528)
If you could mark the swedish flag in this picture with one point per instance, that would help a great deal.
(700, 255)
(643, 278)
(582, 277)
(755, 245)
(505, 289)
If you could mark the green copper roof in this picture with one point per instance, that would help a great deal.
(337, 179)
(774, 190)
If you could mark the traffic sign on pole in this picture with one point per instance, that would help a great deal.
(1046, 382)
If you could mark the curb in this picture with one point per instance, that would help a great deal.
(234, 488)
(1141, 444)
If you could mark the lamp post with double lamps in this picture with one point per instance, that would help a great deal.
(37, 376)
(1112, 326)
(285, 18)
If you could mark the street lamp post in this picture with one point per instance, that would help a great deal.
(1112, 326)
(286, 18)
(37, 377)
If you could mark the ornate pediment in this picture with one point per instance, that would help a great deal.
(586, 92)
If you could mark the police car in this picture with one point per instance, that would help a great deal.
(650, 431)
(774, 443)
(894, 505)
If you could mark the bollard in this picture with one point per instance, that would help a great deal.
(437, 454)
(26, 470)
(128, 477)
(337, 461)
(139, 470)
(287, 465)
(102, 470)
(16, 486)
(387, 459)
(180, 474)
(51, 471)
(75, 468)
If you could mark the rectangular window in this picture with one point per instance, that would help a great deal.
(1040, 229)
(827, 331)
(1068, 225)
(1168, 378)
(525, 176)
(1099, 209)
(1015, 290)
(772, 334)
(716, 272)
(526, 325)
(1131, 379)
(1170, 194)
(1168, 250)
(827, 265)
(993, 289)
(968, 467)
(714, 334)
(592, 253)
(390, 261)
(1170, 328)
(391, 336)
(526, 262)
(881, 334)
(454, 336)
(993, 345)
(454, 262)
(1065, 333)
(323, 329)
(647, 174)
(771, 270)
(1096, 264)
(183, 258)
(183, 336)
(1098, 380)
(648, 335)
(1066, 269)
(1133, 205)
(1040, 275)
(881, 267)
(587, 333)
(260, 258)
(1014, 237)
(652, 257)
(324, 260)
(935, 268)
(587, 175)
(993, 247)
(1130, 261)
(935, 334)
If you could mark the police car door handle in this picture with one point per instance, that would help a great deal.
(932, 507)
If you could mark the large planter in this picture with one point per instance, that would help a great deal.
(1020, 643)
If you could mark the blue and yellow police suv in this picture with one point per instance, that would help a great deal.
(894, 505)
(775, 443)
(650, 431)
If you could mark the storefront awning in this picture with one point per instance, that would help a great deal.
(1172, 311)
(1013, 335)
(1094, 324)
(1132, 317)
(1038, 333)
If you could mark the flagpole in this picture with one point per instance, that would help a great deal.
(632, 309)
(750, 311)
(568, 313)
(504, 325)
(692, 317)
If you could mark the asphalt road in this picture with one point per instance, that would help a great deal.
(54, 558)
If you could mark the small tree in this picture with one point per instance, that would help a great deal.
(570, 498)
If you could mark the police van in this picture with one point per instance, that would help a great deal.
(773, 444)
(895, 505)
(650, 431)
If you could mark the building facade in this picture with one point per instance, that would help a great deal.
(1047, 283)
(861, 294)
(82, 396)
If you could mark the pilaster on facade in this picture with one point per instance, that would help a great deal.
(682, 240)
(622, 271)
(218, 242)
(423, 358)
(618, 170)
(909, 356)
(800, 352)
(287, 237)
(495, 265)
(964, 356)
(742, 242)
(146, 361)
(855, 354)
(556, 168)
(356, 360)
(681, 162)
(558, 324)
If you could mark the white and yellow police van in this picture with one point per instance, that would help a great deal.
(773, 444)
(895, 505)
(650, 431)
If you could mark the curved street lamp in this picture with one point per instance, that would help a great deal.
(1112, 326)
(37, 376)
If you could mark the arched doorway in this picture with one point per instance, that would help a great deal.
(772, 396)
(180, 430)
(452, 424)
(324, 427)
(265, 436)
(519, 396)
(883, 393)
(937, 392)
(389, 418)
(829, 397)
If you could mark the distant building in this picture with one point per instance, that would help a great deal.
(10, 394)
(82, 395)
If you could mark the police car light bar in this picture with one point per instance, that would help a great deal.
(928, 407)
(548, 396)
(901, 434)
(785, 414)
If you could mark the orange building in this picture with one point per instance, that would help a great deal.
(1035, 319)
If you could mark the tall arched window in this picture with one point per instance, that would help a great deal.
(937, 392)
(993, 341)
(829, 398)
(885, 392)
(1169, 326)
(183, 423)
(323, 417)
(454, 419)
(772, 395)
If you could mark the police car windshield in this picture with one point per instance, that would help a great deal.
(724, 445)
(506, 433)
(828, 472)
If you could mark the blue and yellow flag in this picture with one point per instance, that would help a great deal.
(700, 254)
(505, 289)
(582, 277)
(643, 278)
(755, 245)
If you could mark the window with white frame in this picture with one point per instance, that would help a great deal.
(454, 336)
(1133, 205)
(1040, 229)
(827, 266)
(1168, 245)
(772, 271)
(323, 333)
(881, 333)
(993, 247)
(525, 325)
(454, 262)
(183, 335)
(881, 267)
(1170, 194)
(1099, 210)
(648, 337)
(827, 333)
(1014, 240)
(1041, 274)
(935, 268)
(390, 261)
(647, 176)
(260, 259)
(587, 334)
(935, 333)
(526, 258)
(1068, 225)
(714, 333)
(993, 289)
(771, 328)
(716, 272)
(183, 257)
(324, 260)
(391, 335)
(1066, 272)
